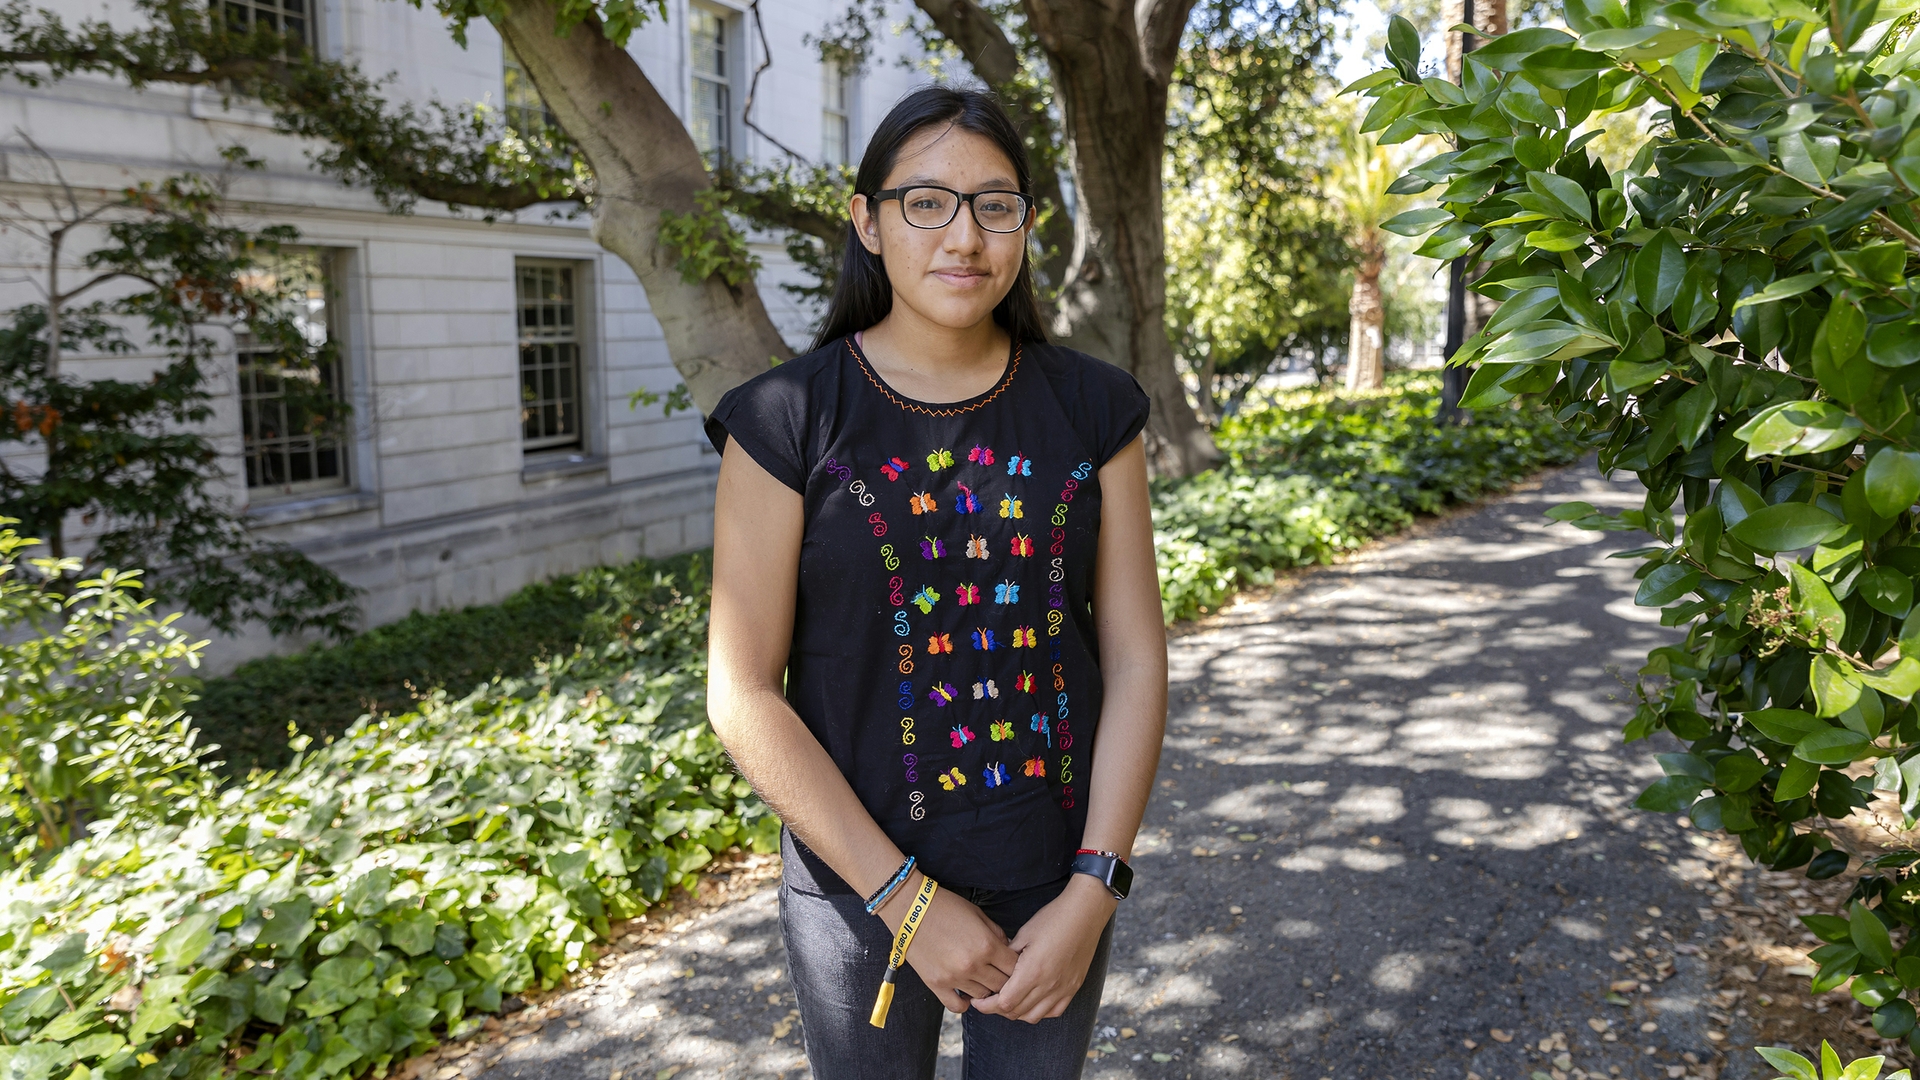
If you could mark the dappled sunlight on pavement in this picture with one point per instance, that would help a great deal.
(1391, 838)
(1399, 787)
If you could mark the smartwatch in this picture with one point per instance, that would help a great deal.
(1109, 867)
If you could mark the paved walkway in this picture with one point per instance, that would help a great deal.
(1391, 840)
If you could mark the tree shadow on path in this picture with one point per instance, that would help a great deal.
(1393, 815)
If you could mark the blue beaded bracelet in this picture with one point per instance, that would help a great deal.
(887, 890)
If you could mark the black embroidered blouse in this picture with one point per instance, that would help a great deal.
(943, 643)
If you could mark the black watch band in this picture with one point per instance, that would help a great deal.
(1107, 866)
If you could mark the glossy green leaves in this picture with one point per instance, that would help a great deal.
(1731, 316)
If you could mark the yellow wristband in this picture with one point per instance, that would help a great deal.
(901, 941)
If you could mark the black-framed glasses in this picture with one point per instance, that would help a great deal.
(929, 207)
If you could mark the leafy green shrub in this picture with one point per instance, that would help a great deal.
(1796, 1067)
(322, 690)
(1312, 474)
(90, 724)
(384, 888)
(326, 919)
(1731, 318)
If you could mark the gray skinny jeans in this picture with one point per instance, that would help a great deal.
(836, 954)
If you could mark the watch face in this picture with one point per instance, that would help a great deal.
(1122, 882)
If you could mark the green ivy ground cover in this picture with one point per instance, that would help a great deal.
(322, 690)
(386, 887)
(1312, 474)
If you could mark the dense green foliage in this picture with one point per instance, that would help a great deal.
(93, 727)
(322, 690)
(1312, 474)
(127, 451)
(328, 918)
(1796, 1067)
(1731, 318)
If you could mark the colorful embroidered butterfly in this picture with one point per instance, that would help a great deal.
(985, 689)
(1019, 466)
(1006, 593)
(933, 549)
(1010, 507)
(969, 594)
(1022, 544)
(941, 694)
(966, 502)
(1023, 637)
(1039, 725)
(925, 599)
(1002, 730)
(961, 736)
(953, 778)
(1023, 682)
(985, 641)
(939, 643)
(996, 775)
(980, 455)
(940, 459)
(894, 467)
(976, 547)
(922, 503)
(1036, 767)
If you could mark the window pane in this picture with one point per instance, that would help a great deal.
(710, 113)
(291, 439)
(549, 356)
(285, 16)
(709, 117)
(708, 33)
(526, 111)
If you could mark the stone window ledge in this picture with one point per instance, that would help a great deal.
(555, 466)
(332, 504)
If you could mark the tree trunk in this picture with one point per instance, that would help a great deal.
(1112, 61)
(1366, 341)
(1209, 402)
(993, 58)
(644, 163)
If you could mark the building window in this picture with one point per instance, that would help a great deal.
(549, 356)
(833, 115)
(526, 111)
(291, 434)
(287, 17)
(712, 92)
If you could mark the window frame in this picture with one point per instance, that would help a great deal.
(518, 113)
(724, 83)
(309, 17)
(832, 118)
(338, 369)
(579, 338)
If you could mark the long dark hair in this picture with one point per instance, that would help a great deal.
(863, 295)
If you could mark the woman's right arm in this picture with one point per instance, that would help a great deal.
(757, 527)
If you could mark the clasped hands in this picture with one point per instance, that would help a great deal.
(967, 961)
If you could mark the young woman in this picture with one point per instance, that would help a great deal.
(937, 647)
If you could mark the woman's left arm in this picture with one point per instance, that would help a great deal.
(1056, 946)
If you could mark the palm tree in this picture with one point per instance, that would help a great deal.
(1358, 186)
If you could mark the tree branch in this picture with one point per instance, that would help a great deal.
(980, 40)
(400, 151)
(1161, 23)
(995, 60)
(778, 202)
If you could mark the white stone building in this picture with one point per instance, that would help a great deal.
(489, 366)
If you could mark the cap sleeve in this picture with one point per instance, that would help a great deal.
(766, 417)
(1116, 407)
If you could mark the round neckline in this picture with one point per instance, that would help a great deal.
(930, 408)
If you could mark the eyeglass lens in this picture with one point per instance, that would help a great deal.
(934, 208)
